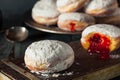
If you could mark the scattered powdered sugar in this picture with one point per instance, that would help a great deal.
(77, 63)
(114, 56)
(55, 75)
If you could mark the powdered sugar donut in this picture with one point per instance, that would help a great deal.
(74, 21)
(101, 7)
(45, 12)
(48, 56)
(101, 39)
(69, 5)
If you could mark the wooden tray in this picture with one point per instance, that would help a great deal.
(85, 67)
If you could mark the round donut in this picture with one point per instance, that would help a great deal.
(45, 12)
(69, 5)
(74, 21)
(101, 8)
(101, 39)
(48, 56)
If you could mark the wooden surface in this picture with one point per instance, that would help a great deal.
(85, 67)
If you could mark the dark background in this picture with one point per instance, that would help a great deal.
(13, 11)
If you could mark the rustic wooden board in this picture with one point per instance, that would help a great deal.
(85, 67)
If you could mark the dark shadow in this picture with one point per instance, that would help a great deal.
(0, 20)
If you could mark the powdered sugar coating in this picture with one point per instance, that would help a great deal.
(61, 3)
(105, 29)
(100, 4)
(45, 8)
(76, 16)
(56, 55)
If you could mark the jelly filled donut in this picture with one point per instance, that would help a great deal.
(48, 56)
(74, 21)
(101, 39)
(45, 12)
(69, 5)
(101, 7)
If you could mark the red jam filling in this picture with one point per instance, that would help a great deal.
(72, 26)
(99, 44)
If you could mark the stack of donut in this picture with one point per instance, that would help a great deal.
(63, 13)
(105, 11)
(75, 15)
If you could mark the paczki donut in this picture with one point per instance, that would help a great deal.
(48, 56)
(101, 8)
(74, 21)
(45, 12)
(101, 39)
(69, 5)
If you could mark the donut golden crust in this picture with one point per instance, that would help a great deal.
(45, 12)
(101, 8)
(111, 33)
(48, 56)
(69, 5)
(44, 20)
(74, 21)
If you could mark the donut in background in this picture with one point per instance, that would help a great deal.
(45, 12)
(101, 8)
(74, 21)
(69, 5)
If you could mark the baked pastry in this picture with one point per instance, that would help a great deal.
(69, 5)
(101, 39)
(45, 12)
(48, 56)
(110, 19)
(74, 21)
(101, 7)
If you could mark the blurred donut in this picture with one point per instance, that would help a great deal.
(101, 7)
(74, 21)
(69, 5)
(45, 12)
